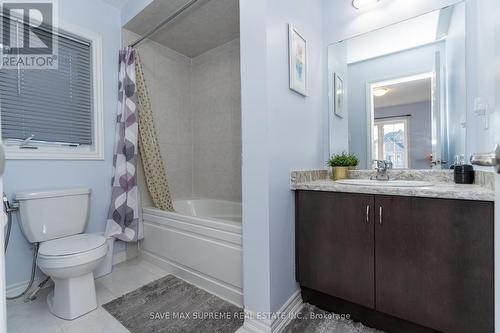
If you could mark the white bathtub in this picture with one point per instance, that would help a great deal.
(200, 242)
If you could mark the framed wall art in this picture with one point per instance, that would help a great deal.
(297, 49)
(338, 95)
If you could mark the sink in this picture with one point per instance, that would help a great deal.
(384, 183)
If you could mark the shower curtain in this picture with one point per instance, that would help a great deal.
(134, 120)
(123, 216)
(152, 162)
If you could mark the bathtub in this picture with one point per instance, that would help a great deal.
(200, 243)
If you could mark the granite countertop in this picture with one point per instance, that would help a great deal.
(442, 180)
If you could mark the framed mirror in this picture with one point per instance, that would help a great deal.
(403, 92)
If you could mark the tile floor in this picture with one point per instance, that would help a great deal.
(35, 316)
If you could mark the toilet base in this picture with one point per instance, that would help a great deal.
(72, 297)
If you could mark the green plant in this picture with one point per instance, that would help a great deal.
(343, 160)
(353, 160)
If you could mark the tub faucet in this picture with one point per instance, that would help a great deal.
(382, 168)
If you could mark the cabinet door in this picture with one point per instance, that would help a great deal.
(335, 243)
(434, 262)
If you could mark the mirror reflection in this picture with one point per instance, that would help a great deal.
(400, 91)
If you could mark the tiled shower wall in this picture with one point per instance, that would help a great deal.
(216, 106)
(196, 106)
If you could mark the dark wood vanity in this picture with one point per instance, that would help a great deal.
(400, 264)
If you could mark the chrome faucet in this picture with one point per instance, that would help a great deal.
(382, 168)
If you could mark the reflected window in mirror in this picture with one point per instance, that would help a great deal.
(390, 141)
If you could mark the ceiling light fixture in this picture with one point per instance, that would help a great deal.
(379, 92)
(362, 4)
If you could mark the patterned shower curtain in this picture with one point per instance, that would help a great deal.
(149, 148)
(123, 217)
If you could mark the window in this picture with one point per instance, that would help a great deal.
(390, 141)
(55, 113)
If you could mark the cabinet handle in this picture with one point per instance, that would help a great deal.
(367, 213)
(380, 215)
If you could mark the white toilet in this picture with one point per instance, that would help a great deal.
(56, 220)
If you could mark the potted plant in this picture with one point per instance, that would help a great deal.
(341, 164)
(353, 161)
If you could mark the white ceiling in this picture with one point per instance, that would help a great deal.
(405, 93)
(208, 24)
(408, 34)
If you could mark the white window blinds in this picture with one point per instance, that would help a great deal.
(50, 105)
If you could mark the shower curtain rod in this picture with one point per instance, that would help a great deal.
(165, 21)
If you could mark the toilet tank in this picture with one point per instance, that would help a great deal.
(47, 215)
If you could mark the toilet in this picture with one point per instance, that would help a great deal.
(56, 220)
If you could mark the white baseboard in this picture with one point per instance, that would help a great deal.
(287, 312)
(17, 288)
(217, 287)
(253, 324)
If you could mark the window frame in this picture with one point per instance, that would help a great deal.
(389, 121)
(48, 151)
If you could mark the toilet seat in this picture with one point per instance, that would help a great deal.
(71, 251)
(71, 245)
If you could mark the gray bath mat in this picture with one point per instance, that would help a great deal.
(314, 320)
(173, 305)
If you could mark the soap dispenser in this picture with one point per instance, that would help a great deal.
(464, 173)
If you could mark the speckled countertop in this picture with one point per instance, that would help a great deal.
(442, 180)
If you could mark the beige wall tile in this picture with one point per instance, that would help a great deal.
(167, 75)
(180, 184)
(197, 110)
(216, 104)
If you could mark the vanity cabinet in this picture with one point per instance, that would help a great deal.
(331, 248)
(422, 260)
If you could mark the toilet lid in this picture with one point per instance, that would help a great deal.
(71, 245)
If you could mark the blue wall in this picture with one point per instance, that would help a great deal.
(255, 175)
(21, 175)
(282, 131)
(297, 132)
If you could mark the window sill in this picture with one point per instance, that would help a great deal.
(52, 153)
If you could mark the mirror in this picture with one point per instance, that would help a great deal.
(399, 93)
